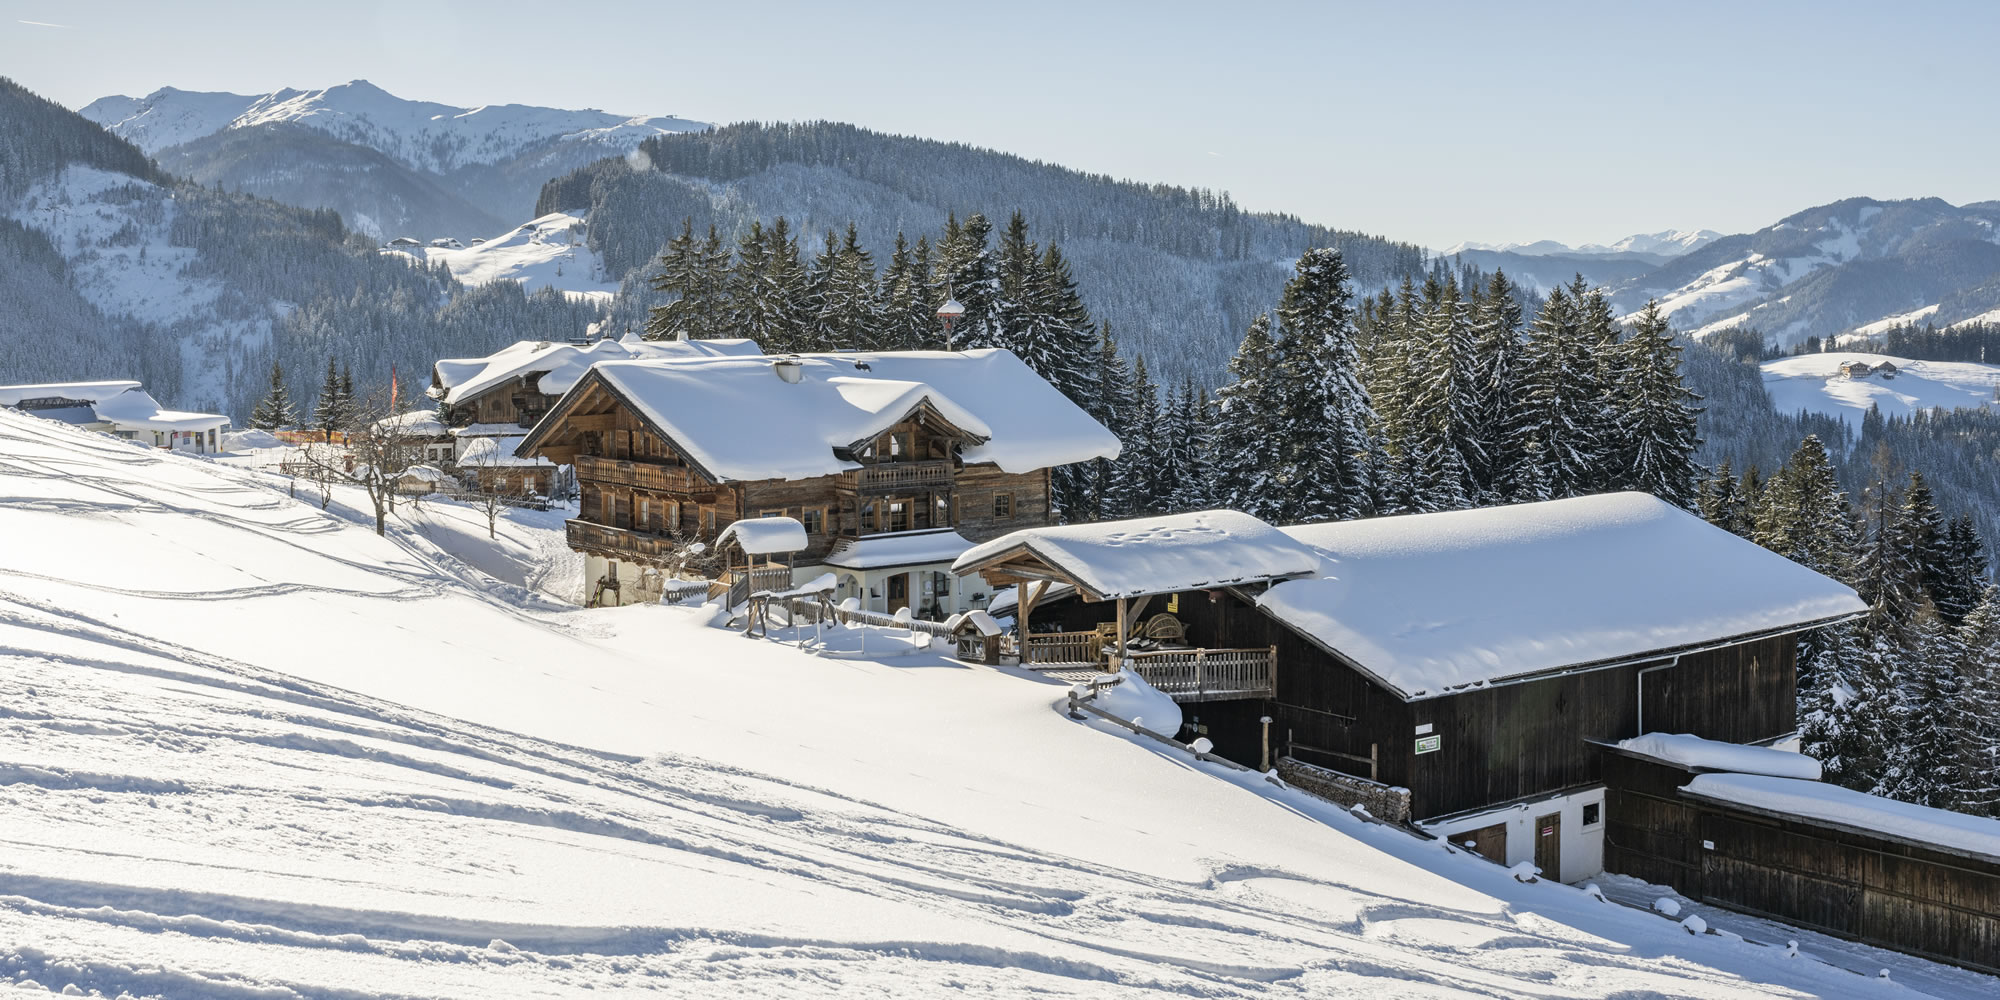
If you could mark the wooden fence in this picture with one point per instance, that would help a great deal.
(1050, 648)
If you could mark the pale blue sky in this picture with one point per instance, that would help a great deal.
(1430, 122)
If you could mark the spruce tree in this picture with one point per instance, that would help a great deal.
(1719, 501)
(329, 410)
(1803, 515)
(1656, 414)
(1247, 448)
(1498, 350)
(1978, 718)
(1110, 494)
(1965, 570)
(1147, 443)
(972, 278)
(1564, 398)
(1326, 415)
(275, 410)
(1442, 410)
(679, 275)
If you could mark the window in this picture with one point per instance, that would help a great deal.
(770, 513)
(708, 521)
(899, 515)
(814, 519)
(868, 517)
(1593, 813)
(899, 446)
(645, 514)
(1003, 505)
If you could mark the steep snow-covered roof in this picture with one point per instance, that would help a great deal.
(460, 379)
(421, 423)
(120, 402)
(1155, 555)
(1902, 821)
(495, 453)
(1694, 752)
(903, 548)
(765, 536)
(1430, 603)
(737, 420)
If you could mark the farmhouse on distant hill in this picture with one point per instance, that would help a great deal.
(1451, 669)
(119, 407)
(894, 463)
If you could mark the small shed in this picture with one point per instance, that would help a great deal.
(421, 480)
(976, 635)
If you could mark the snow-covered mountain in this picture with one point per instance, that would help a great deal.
(1858, 263)
(390, 166)
(1666, 243)
(434, 137)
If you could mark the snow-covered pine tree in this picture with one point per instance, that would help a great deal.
(1925, 752)
(1171, 444)
(907, 311)
(1147, 443)
(1718, 501)
(275, 410)
(747, 282)
(1926, 540)
(1829, 696)
(1390, 374)
(1442, 409)
(1885, 574)
(1498, 352)
(1979, 714)
(349, 406)
(972, 278)
(1189, 449)
(1246, 446)
(1599, 326)
(1327, 415)
(786, 324)
(1564, 399)
(1966, 570)
(1803, 515)
(679, 275)
(1656, 414)
(1111, 404)
(329, 412)
(845, 313)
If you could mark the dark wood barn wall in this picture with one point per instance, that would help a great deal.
(1897, 895)
(1498, 743)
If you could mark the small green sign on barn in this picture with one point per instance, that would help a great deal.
(1429, 744)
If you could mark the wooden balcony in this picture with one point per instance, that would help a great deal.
(650, 476)
(617, 543)
(1063, 649)
(900, 477)
(1209, 674)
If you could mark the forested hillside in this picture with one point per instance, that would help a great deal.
(1176, 271)
(115, 269)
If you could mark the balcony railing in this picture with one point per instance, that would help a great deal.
(1209, 674)
(895, 477)
(640, 475)
(618, 542)
(1062, 648)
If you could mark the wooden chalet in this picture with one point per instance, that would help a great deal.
(502, 395)
(894, 463)
(1464, 661)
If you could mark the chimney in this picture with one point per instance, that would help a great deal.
(789, 369)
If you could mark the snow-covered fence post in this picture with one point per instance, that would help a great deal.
(1266, 759)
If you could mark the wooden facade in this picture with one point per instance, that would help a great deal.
(1497, 744)
(1849, 883)
(635, 481)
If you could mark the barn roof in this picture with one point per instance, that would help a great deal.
(1148, 555)
(735, 419)
(457, 380)
(1433, 604)
(120, 402)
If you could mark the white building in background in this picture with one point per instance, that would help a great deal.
(119, 407)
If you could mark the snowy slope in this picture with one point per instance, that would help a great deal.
(1812, 382)
(1666, 243)
(252, 750)
(547, 252)
(429, 136)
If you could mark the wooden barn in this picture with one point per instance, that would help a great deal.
(1754, 830)
(1464, 662)
(894, 463)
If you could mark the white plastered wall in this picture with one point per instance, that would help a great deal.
(1582, 846)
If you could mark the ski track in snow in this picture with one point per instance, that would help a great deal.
(177, 822)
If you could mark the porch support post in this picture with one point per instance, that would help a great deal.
(1118, 649)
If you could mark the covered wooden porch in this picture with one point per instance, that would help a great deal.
(1182, 553)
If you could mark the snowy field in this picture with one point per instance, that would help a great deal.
(1813, 382)
(249, 749)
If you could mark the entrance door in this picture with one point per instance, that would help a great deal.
(1548, 846)
(899, 592)
(1489, 842)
